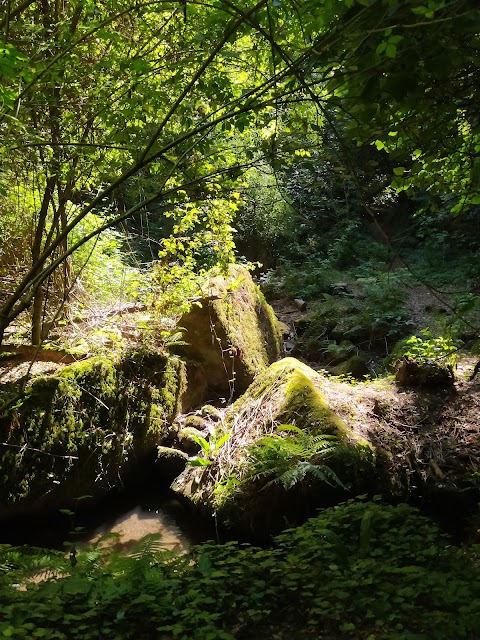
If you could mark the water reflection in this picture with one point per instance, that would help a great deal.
(132, 515)
(137, 523)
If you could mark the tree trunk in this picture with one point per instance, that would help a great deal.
(39, 298)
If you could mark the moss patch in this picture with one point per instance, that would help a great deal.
(297, 401)
(234, 333)
(74, 433)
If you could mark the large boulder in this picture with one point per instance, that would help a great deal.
(79, 431)
(232, 332)
(286, 454)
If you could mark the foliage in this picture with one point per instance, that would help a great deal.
(310, 279)
(265, 221)
(287, 459)
(428, 348)
(358, 312)
(106, 271)
(210, 448)
(359, 570)
(200, 240)
(135, 112)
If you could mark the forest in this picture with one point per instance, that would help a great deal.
(240, 319)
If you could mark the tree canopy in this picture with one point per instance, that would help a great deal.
(114, 109)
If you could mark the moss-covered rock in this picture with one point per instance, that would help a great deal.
(255, 482)
(232, 332)
(355, 366)
(78, 432)
(291, 393)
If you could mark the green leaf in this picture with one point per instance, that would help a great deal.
(290, 427)
(196, 461)
(391, 50)
(366, 530)
(204, 444)
(222, 440)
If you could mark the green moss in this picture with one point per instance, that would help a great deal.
(211, 412)
(288, 385)
(232, 332)
(76, 431)
(288, 392)
(304, 404)
(250, 323)
(195, 422)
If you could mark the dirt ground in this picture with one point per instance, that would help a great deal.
(428, 440)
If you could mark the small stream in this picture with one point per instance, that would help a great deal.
(132, 514)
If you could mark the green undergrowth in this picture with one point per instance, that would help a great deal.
(358, 571)
(354, 314)
(286, 461)
(426, 347)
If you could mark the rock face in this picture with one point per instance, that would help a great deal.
(77, 432)
(355, 366)
(263, 473)
(232, 332)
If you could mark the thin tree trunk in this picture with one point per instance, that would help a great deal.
(37, 317)
(39, 298)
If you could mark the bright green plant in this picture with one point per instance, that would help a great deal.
(288, 459)
(428, 348)
(105, 267)
(210, 448)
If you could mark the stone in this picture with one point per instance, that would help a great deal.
(414, 373)
(287, 393)
(284, 328)
(80, 431)
(355, 366)
(300, 304)
(302, 324)
(232, 332)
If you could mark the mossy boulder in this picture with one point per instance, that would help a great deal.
(78, 432)
(291, 391)
(355, 366)
(323, 462)
(232, 332)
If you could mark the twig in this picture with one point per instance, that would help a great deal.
(45, 453)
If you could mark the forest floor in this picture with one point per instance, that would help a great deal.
(429, 439)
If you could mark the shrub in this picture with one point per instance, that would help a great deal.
(358, 571)
(427, 348)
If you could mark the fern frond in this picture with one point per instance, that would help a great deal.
(148, 546)
(286, 460)
(290, 427)
(291, 477)
(324, 473)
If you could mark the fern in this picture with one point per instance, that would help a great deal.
(288, 460)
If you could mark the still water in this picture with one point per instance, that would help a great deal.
(131, 514)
